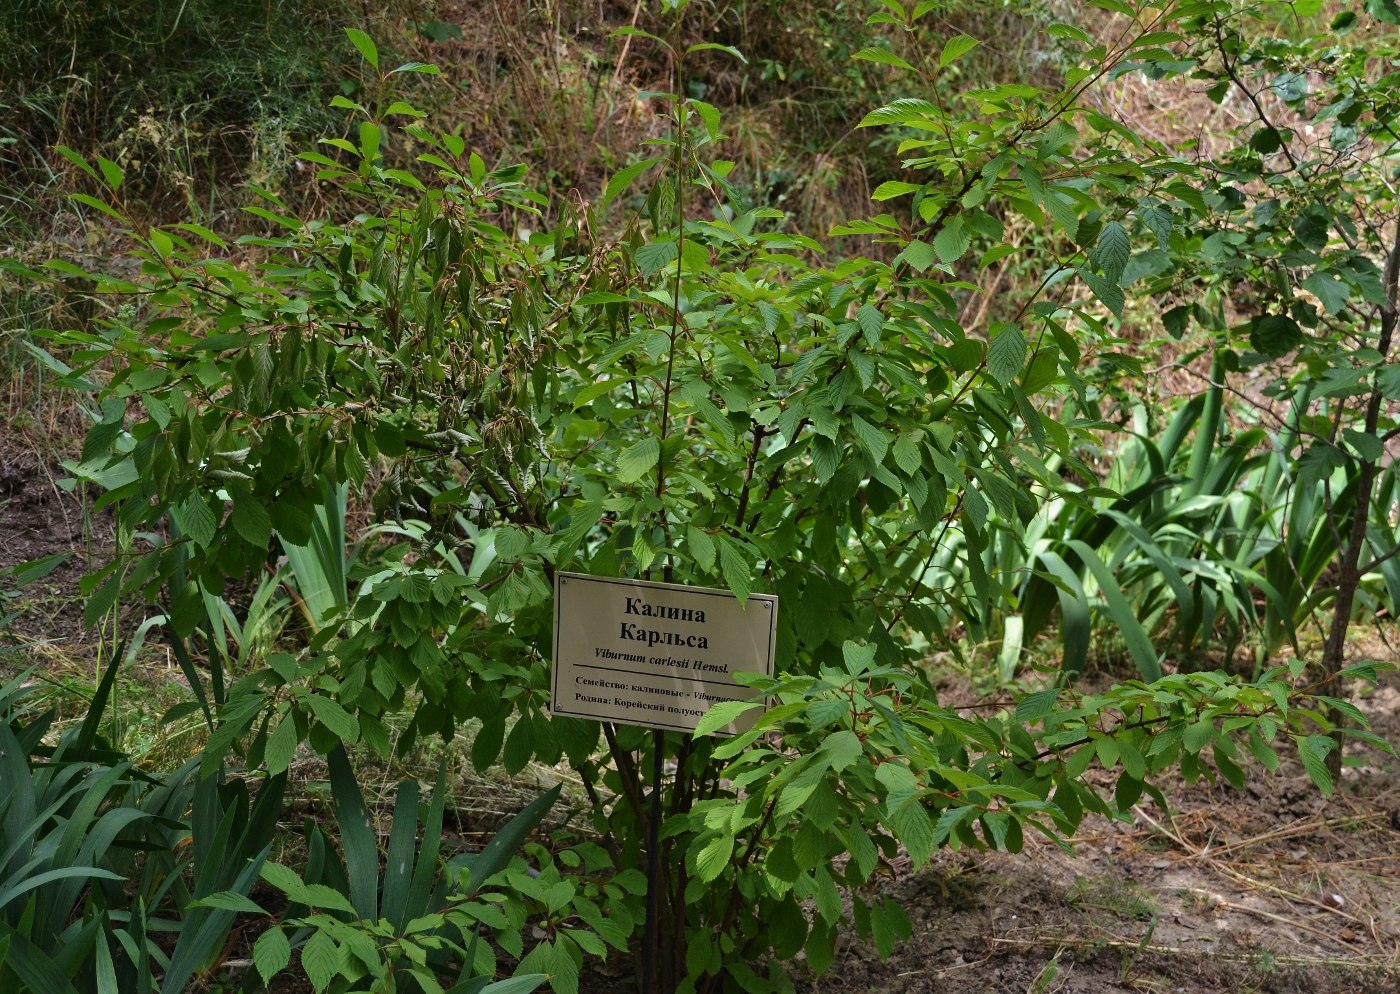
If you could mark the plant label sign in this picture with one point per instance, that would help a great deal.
(656, 654)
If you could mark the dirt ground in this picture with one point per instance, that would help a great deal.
(1271, 889)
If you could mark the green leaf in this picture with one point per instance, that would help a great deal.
(1007, 353)
(251, 521)
(713, 46)
(714, 857)
(884, 57)
(919, 255)
(1033, 707)
(872, 439)
(328, 898)
(721, 714)
(521, 983)
(1108, 292)
(320, 958)
(1139, 644)
(366, 46)
(651, 257)
(907, 454)
(1313, 750)
(1062, 210)
(1274, 335)
(871, 322)
(227, 900)
(900, 111)
(111, 172)
(520, 746)
(624, 177)
(196, 520)
(281, 746)
(734, 565)
(955, 48)
(1312, 227)
(1329, 290)
(702, 547)
(891, 188)
(271, 953)
(638, 459)
(914, 828)
(284, 879)
(842, 748)
(1113, 250)
(340, 722)
(426, 68)
(1177, 320)
(952, 240)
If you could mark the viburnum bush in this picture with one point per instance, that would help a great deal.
(703, 395)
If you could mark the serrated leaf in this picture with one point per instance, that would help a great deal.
(826, 458)
(721, 714)
(734, 566)
(271, 953)
(521, 983)
(858, 656)
(1006, 354)
(872, 439)
(1274, 335)
(842, 749)
(651, 257)
(914, 828)
(328, 898)
(196, 520)
(341, 723)
(897, 779)
(892, 188)
(1062, 211)
(281, 746)
(1033, 707)
(955, 48)
(427, 68)
(365, 45)
(637, 460)
(884, 57)
(952, 240)
(702, 547)
(320, 958)
(907, 454)
(919, 255)
(227, 900)
(871, 322)
(1113, 250)
(284, 879)
(713, 857)
(251, 521)
(1330, 291)
(1313, 750)
(1313, 226)
(1109, 293)
(900, 111)
(624, 178)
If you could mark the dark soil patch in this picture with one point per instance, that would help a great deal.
(39, 518)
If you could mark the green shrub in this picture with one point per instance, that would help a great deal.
(697, 401)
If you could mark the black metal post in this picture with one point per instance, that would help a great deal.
(654, 887)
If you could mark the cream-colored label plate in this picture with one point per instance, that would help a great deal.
(656, 654)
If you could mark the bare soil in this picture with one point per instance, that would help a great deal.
(1272, 888)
